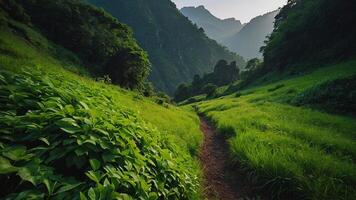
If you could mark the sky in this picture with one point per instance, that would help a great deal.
(243, 10)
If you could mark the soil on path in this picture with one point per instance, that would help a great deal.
(221, 180)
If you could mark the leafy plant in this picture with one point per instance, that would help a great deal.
(61, 139)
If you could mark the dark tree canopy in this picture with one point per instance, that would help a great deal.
(312, 31)
(103, 43)
(223, 74)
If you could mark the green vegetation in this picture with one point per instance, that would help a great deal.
(65, 136)
(104, 44)
(311, 31)
(337, 96)
(223, 74)
(177, 49)
(292, 151)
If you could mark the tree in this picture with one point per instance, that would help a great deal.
(105, 45)
(182, 93)
(210, 90)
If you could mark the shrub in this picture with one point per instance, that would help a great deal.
(210, 90)
(61, 139)
(337, 96)
(276, 88)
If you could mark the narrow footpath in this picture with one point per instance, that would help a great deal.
(221, 180)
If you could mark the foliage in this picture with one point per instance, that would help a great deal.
(177, 49)
(293, 152)
(311, 31)
(210, 90)
(44, 103)
(336, 96)
(223, 74)
(99, 39)
(56, 137)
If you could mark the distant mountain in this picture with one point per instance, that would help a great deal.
(214, 27)
(248, 41)
(177, 49)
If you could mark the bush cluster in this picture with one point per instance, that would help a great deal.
(61, 139)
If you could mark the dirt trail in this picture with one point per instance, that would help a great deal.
(221, 181)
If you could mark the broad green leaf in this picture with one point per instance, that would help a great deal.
(91, 194)
(153, 196)
(71, 130)
(15, 152)
(95, 164)
(67, 187)
(124, 196)
(50, 186)
(6, 167)
(68, 125)
(95, 176)
(26, 174)
(84, 105)
(44, 140)
(82, 196)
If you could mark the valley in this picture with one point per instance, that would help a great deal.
(127, 100)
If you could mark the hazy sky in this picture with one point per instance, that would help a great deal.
(243, 10)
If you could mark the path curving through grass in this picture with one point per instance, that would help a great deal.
(221, 179)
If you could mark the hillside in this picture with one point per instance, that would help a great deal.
(103, 44)
(177, 49)
(293, 150)
(215, 28)
(248, 41)
(66, 136)
(330, 37)
(79, 119)
(289, 121)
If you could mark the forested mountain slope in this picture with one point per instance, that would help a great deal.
(215, 28)
(312, 31)
(248, 41)
(177, 49)
(105, 45)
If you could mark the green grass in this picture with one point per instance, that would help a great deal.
(65, 135)
(293, 151)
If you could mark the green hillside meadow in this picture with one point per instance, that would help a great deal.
(80, 121)
(65, 136)
(296, 151)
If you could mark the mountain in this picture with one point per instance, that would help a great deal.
(177, 49)
(214, 27)
(248, 41)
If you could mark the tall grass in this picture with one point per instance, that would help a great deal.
(295, 152)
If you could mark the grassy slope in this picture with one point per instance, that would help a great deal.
(181, 123)
(292, 149)
(180, 126)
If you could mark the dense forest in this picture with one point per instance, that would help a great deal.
(223, 74)
(309, 31)
(106, 45)
(177, 49)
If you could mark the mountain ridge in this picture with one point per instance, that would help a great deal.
(177, 49)
(245, 40)
(214, 27)
(248, 41)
